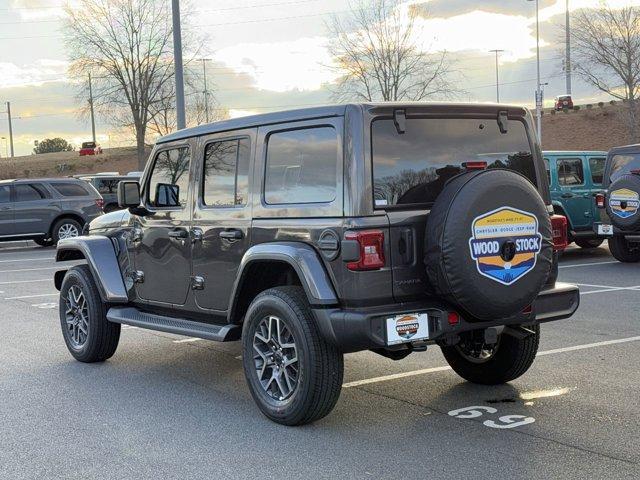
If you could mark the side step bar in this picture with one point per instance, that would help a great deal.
(133, 316)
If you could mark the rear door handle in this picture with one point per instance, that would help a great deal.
(567, 195)
(2, 209)
(231, 234)
(179, 233)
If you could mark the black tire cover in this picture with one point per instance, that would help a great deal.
(479, 220)
(623, 202)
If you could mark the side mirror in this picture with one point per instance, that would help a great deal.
(128, 194)
(167, 195)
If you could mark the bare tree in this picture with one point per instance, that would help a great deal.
(606, 49)
(376, 54)
(126, 46)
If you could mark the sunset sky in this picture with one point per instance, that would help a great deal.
(271, 54)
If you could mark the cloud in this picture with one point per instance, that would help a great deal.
(38, 72)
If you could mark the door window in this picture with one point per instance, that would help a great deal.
(5, 194)
(570, 172)
(226, 168)
(169, 182)
(26, 192)
(301, 166)
(596, 165)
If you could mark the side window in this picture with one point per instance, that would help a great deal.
(547, 167)
(169, 182)
(5, 194)
(27, 192)
(570, 172)
(301, 166)
(70, 189)
(226, 169)
(596, 165)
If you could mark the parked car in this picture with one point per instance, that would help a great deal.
(311, 233)
(564, 101)
(620, 205)
(90, 148)
(575, 177)
(46, 210)
(107, 186)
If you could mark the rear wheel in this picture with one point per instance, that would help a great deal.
(502, 362)
(89, 336)
(293, 373)
(65, 228)
(589, 242)
(623, 251)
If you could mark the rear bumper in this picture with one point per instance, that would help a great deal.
(365, 329)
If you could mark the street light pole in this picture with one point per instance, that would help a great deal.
(497, 77)
(567, 61)
(206, 92)
(177, 60)
(93, 119)
(10, 127)
(538, 92)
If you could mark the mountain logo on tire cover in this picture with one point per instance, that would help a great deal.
(624, 203)
(489, 233)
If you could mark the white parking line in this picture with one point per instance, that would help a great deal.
(612, 289)
(587, 264)
(27, 281)
(27, 260)
(188, 340)
(33, 296)
(32, 269)
(386, 378)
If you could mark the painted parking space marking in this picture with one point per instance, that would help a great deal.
(588, 264)
(32, 269)
(45, 306)
(504, 421)
(386, 378)
(21, 297)
(27, 281)
(188, 340)
(43, 259)
(616, 289)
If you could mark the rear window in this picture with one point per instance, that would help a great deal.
(301, 166)
(623, 164)
(107, 185)
(412, 168)
(70, 189)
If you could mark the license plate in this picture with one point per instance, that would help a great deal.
(407, 328)
(604, 229)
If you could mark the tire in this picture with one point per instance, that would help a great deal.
(102, 337)
(44, 242)
(589, 242)
(512, 358)
(621, 251)
(65, 228)
(317, 381)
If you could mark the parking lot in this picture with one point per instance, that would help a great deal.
(174, 407)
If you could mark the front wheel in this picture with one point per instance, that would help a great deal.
(589, 242)
(293, 373)
(66, 228)
(622, 250)
(502, 362)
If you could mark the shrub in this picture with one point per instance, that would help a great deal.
(589, 106)
(612, 102)
(577, 107)
(565, 110)
(553, 112)
(601, 104)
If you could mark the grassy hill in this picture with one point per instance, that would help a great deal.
(63, 164)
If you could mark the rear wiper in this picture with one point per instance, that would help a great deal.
(503, 120)
(400, 121)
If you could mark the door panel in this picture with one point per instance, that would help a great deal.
(162, 249)
(6, 211)
(222, 219)
(34, 209)
(575, 193)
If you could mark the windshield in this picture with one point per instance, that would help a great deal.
(412, 168)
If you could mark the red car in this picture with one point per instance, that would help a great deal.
(90, 148)
(564, 101)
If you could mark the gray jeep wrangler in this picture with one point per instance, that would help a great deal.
(309, 234)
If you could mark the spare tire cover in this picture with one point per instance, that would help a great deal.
(623, 202)
(488, 247)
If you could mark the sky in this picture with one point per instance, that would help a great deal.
(271, 55)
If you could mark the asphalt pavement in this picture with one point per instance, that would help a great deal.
(173, 407)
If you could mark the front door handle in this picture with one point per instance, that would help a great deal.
(567, 195)
(2, 209)
(231, 234)
(179, 233)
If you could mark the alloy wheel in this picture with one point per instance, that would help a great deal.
(67, 230)
(477, 352)
(77, 316)
(276, 358)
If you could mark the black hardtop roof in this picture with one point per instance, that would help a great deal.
(625, 149)
(329, 111)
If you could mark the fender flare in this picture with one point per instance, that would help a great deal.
(302, 258)
(102, 260)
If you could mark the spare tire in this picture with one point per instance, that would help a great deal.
(488, 247)
(623, 202)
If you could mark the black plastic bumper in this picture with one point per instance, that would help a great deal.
(365, 329)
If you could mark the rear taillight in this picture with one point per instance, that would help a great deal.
(559, 232)
(371, 244)
(453, 318)
(475, 165)
(100, 203)
(600, 198)
(635, 172)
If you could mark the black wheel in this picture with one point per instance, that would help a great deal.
(65, 228)
(623, 251)
(294, 374)
(589, 242)
(44, 242)
(508, 359)
(89, 336)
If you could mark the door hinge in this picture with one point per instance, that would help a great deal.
(197, 283)
(137, 276)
